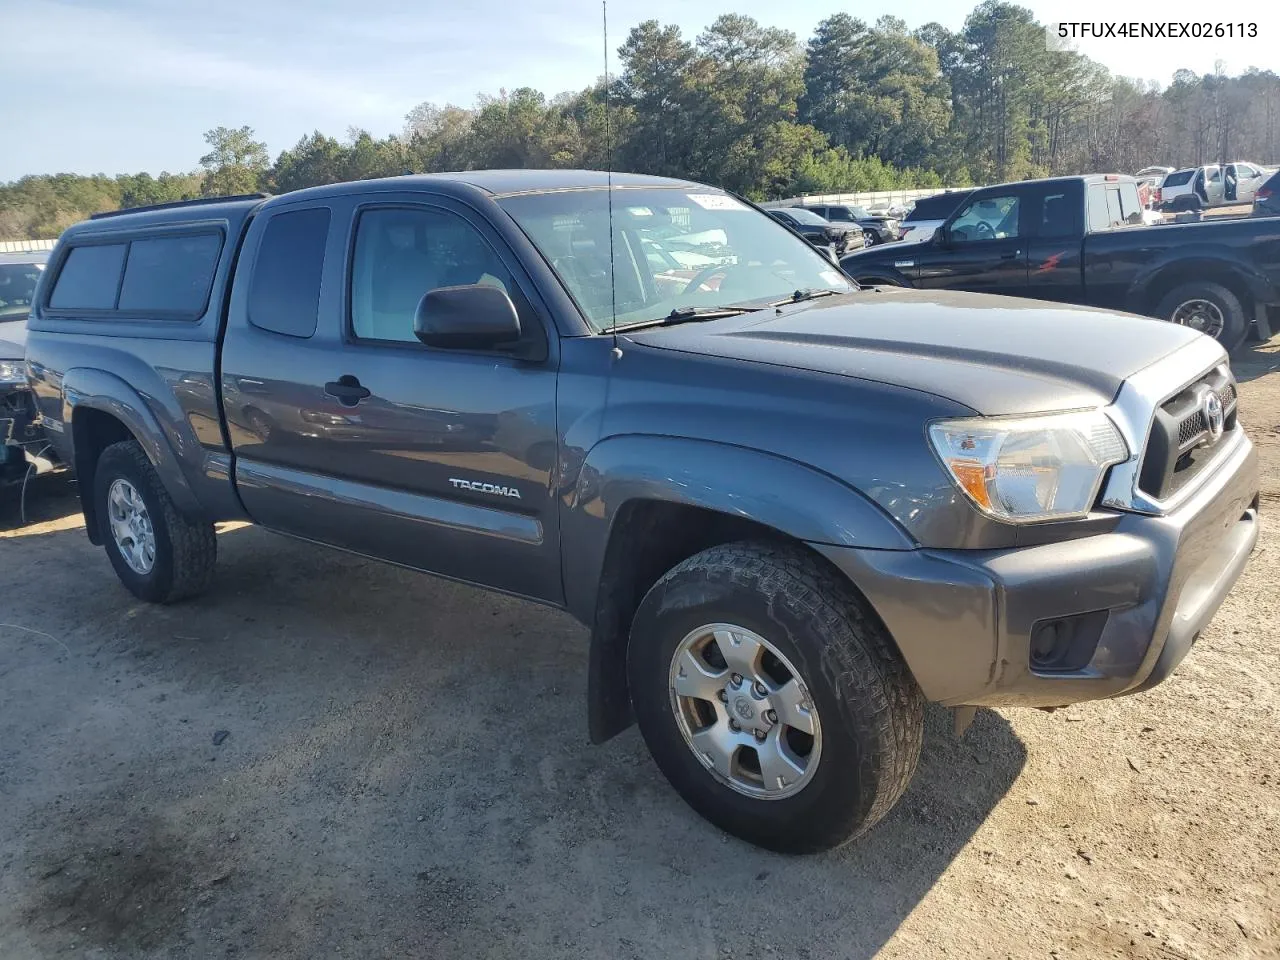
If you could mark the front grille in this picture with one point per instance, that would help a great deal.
(1191, 428)
(1180, 443)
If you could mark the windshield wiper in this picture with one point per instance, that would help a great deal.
(806, 294)
(690, 315)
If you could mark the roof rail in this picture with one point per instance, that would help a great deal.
(178, 203)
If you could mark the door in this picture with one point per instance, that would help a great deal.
(982, 250)
(1215, 190)
(1054, 230)
(1248, 179)
(436, 459)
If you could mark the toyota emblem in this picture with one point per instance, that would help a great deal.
(1214, 416)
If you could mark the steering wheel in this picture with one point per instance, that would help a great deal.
(706, 273)
(983, 231)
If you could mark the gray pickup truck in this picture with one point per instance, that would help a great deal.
(790, 511)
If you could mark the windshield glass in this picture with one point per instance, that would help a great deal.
(672, 248)
(17, 288)
(806, 216)
(860, 213)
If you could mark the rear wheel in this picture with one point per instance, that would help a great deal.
(158, 553)
(772, 698)
(1210, 308)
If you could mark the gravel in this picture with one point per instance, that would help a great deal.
(410, 776)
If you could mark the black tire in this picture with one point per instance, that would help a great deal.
(870, 709)
(1235, 324)
(186, 550)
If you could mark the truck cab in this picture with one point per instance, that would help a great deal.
(1083, 240)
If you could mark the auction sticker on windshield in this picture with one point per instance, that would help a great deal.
(715, 201)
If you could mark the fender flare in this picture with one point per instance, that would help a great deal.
(796, 500)
(1185, 260)
(881, 270)
(93, 389)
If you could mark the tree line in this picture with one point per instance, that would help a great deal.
(749, 108)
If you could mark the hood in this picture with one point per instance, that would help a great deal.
(995, 355)
(13, 339)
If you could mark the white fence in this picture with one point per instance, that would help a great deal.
(25, 246)
(878, 198)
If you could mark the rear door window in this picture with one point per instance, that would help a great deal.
(1057, 215)
(1115, 216)
(284, 296)
(89, 278)
(1181, 178)
(1130, 205)
(1099, 218)
(170, 275)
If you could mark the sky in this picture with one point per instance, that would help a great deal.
(122, 86)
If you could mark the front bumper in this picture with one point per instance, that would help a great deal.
(964, 620)
(20, 432)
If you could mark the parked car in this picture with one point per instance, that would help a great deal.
(840, 238)
(790, 511)
(930, 213)
(876, 229)
(1266, 202)
(1197, 188)
(19, 431)
(1080, 240)
(1160, 172)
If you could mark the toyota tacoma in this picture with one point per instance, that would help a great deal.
(790, 511)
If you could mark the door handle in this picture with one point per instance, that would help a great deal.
(347, 390)
(1010, 256)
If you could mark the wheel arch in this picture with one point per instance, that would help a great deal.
(644, 504)
(100, 409)
(1154, 284)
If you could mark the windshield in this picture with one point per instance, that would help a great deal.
(860, 213)
(673, 249)
(806, 216)
(18, 288)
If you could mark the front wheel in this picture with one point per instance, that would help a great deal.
(158, 553)
(772, 698)
(1210, 308)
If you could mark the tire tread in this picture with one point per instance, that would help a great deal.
(193, 543)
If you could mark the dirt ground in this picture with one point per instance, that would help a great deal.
(325, 757)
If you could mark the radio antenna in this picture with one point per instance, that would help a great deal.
(608, 173)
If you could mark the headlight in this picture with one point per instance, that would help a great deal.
(13, 371)
(1023, 469)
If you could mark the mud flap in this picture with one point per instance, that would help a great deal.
(1260, 322)
(962, 717)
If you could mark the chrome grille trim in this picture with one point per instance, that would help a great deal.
(1194, 427)
(1133, 411)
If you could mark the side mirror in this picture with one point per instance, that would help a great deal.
(942, 236)
(474, 317)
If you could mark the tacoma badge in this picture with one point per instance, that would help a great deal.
(492, 488)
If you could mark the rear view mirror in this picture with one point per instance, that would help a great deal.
(942, 236)
(474, 317)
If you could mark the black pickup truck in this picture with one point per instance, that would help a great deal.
(789, 510)
(1080, 240)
